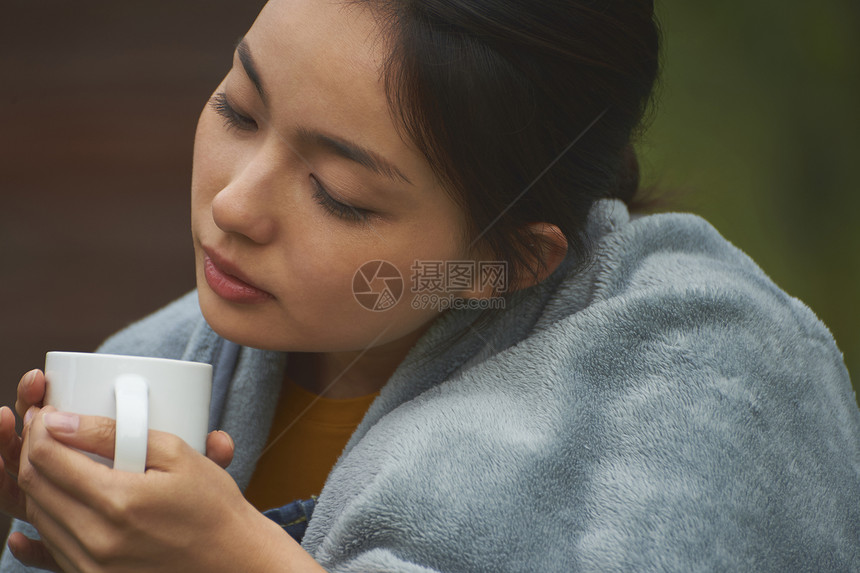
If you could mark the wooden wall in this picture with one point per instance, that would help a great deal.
(98, 105)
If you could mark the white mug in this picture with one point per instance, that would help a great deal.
(139, 393)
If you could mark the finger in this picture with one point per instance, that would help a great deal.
(10, 441)
(58, 541)
(219, 448)
(97, 435)
(31, 391)
(12, 501)
(32, 552)
(25, 430)
(45, 461)
(164, 451)
(94, 434)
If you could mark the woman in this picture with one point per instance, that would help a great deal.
(646, 399)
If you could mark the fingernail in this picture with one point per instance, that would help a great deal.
(62, 422)
(31, 375)
(29, 415)
(230, 438)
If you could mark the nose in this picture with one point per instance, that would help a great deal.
(245, 205)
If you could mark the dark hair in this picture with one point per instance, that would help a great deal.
(526, 109)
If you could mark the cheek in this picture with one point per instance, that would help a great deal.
(213, 158)
(203, 168)
(322, 270)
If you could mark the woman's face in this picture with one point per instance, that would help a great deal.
(300, 178)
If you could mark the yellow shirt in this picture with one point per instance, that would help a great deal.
(308, 434)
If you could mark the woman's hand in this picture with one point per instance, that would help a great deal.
(31, 392)
(183, 514)
(30, 396)
(11, 499)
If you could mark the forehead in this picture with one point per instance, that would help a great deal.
(321, 56)
(341, 30)
(321, 64)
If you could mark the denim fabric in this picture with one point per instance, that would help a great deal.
(294, 517)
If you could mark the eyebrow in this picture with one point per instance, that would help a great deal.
(341, 147)
(353, 152)
(247, 60)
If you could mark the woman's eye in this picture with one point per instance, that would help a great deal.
(232, 118)
(335, 207)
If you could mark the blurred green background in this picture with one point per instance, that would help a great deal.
(756, 129)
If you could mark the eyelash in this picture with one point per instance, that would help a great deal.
(235, 120)
(336, 208)
(232, 118)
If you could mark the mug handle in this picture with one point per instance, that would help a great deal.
(132, 423)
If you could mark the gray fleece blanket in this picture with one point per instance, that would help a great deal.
(666, 408)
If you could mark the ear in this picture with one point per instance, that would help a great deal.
(549, 248)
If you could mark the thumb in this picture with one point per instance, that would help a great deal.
(219, 448)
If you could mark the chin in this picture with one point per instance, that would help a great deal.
(262, 327)
(244, 326)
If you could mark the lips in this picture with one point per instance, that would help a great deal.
(228, 282)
